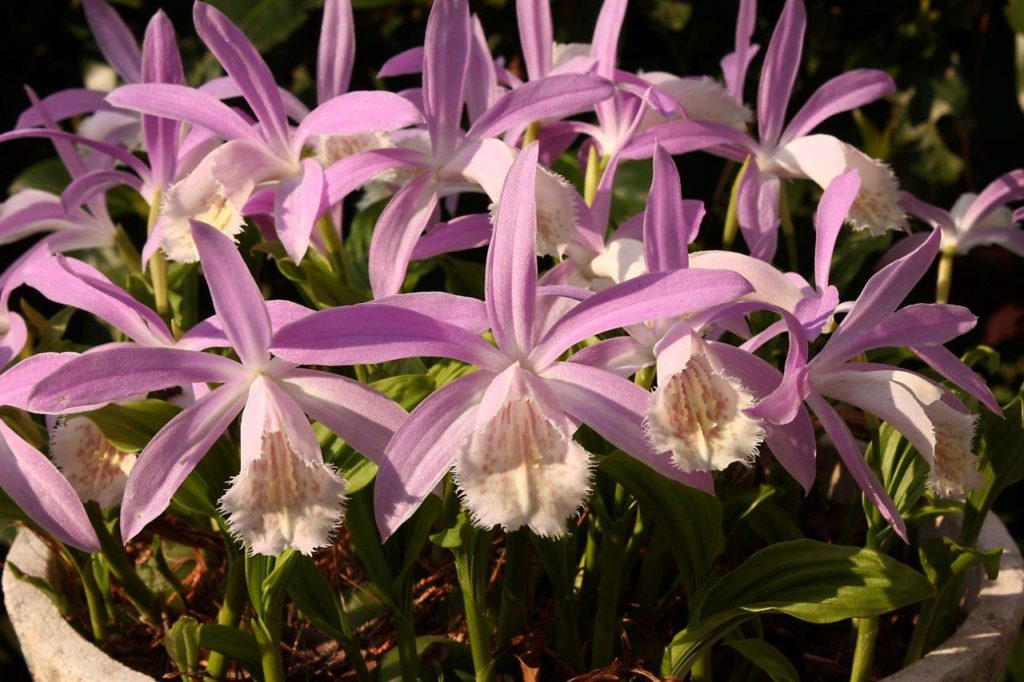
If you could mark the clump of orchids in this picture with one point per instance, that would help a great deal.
(610, 398)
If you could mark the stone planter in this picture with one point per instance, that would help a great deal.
(976, 652)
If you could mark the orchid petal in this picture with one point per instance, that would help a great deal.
(832, 210)
(1007, 187)
(357, 112)
(837, 430)
(781, 63)
(758, 212)
(298, 202)
(336, 51)
(481, 78)
(445, 62)
(19, 381)
(114, 39)
(39, 490)
(536, 36)
(736, 63)
(648, 297)
(86, 187)
(511, 280)
(404, 63)
(933, 215)
(397, 231)
(461, 311)
(550, 97)
(174, 452)
(161, 63)
(615, 408)
(621, 355)
(373, 332)
(64, 104)
(845, 92)
(87, 380)
(182, 103)
(458, 234)
(351, 173)
(1010, 238)
(664, 220)
(361, 416)
(604, 48)
(955, 371)
(424, 448)
(116, 153)
(685, 136)
(210, 332)
(926, 324)
(236, 298)
(246, 67)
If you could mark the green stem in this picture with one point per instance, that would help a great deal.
(513, 584)
(141, 597)
(612, 549)
(129, 254)
(335, 249)
(531, 133)
(732, 221)
(788, 231)
(408, 658)
(585, 584)
(592, 177)
(270, 653)
(864, 653)
(158, 266)
(944, 281)
(230, 612)
(476, 620)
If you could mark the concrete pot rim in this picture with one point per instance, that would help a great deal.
(55, 651)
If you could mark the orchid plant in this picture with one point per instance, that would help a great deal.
(419, 420)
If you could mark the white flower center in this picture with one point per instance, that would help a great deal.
(697, 415)
(281, 500)
(556, 214)
(212, 207)
(330, 149)
(955, 469)
(521, 469)
(92, 465)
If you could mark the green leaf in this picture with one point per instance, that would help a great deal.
(1000, 449)
(807, 579)
(182, 644)
(766, 657)
(692, 518)
(130, 426)
(315, 597)
(903, 473)
(233, 643)
(48, 175)
(943, 560)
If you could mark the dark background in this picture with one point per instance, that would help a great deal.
(954, 126)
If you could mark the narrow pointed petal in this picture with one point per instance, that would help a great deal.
(1010, 238)
(839, 433)
(404, 63)
(116, 153)
(88, 381)
(74, 283)
(236, 298)
(736, 63)
(183, 103)
(114, 39)
(161, 63)
(210, 332)
(423, 450)
(461, 311)
(781, 64)
(604, 49)
(174, 452)
(336, 51)
(685, 136)
(481, 77)
(1005, 188)
(459, 234)
(39, 489)
(85, 188)
(351, 173)
(664, 220)
(298, 202)
(924, 324)
(843, 93)
(955, 371)
(536, 36)
(374, 332)
(615, 408)
(884, 292)
(397, 231)
(758, 212)
(246, 67)
(832, 210)
(357, 112)
(445, 61)
(18, 382)
(511, 280)
(621, 355)
(358, 414)
(64, 104)
(550, 97)
(646, 298)
(933, 215)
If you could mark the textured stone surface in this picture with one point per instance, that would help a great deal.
(977, 651)
(55, 652)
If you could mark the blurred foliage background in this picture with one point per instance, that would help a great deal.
(956, 123)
